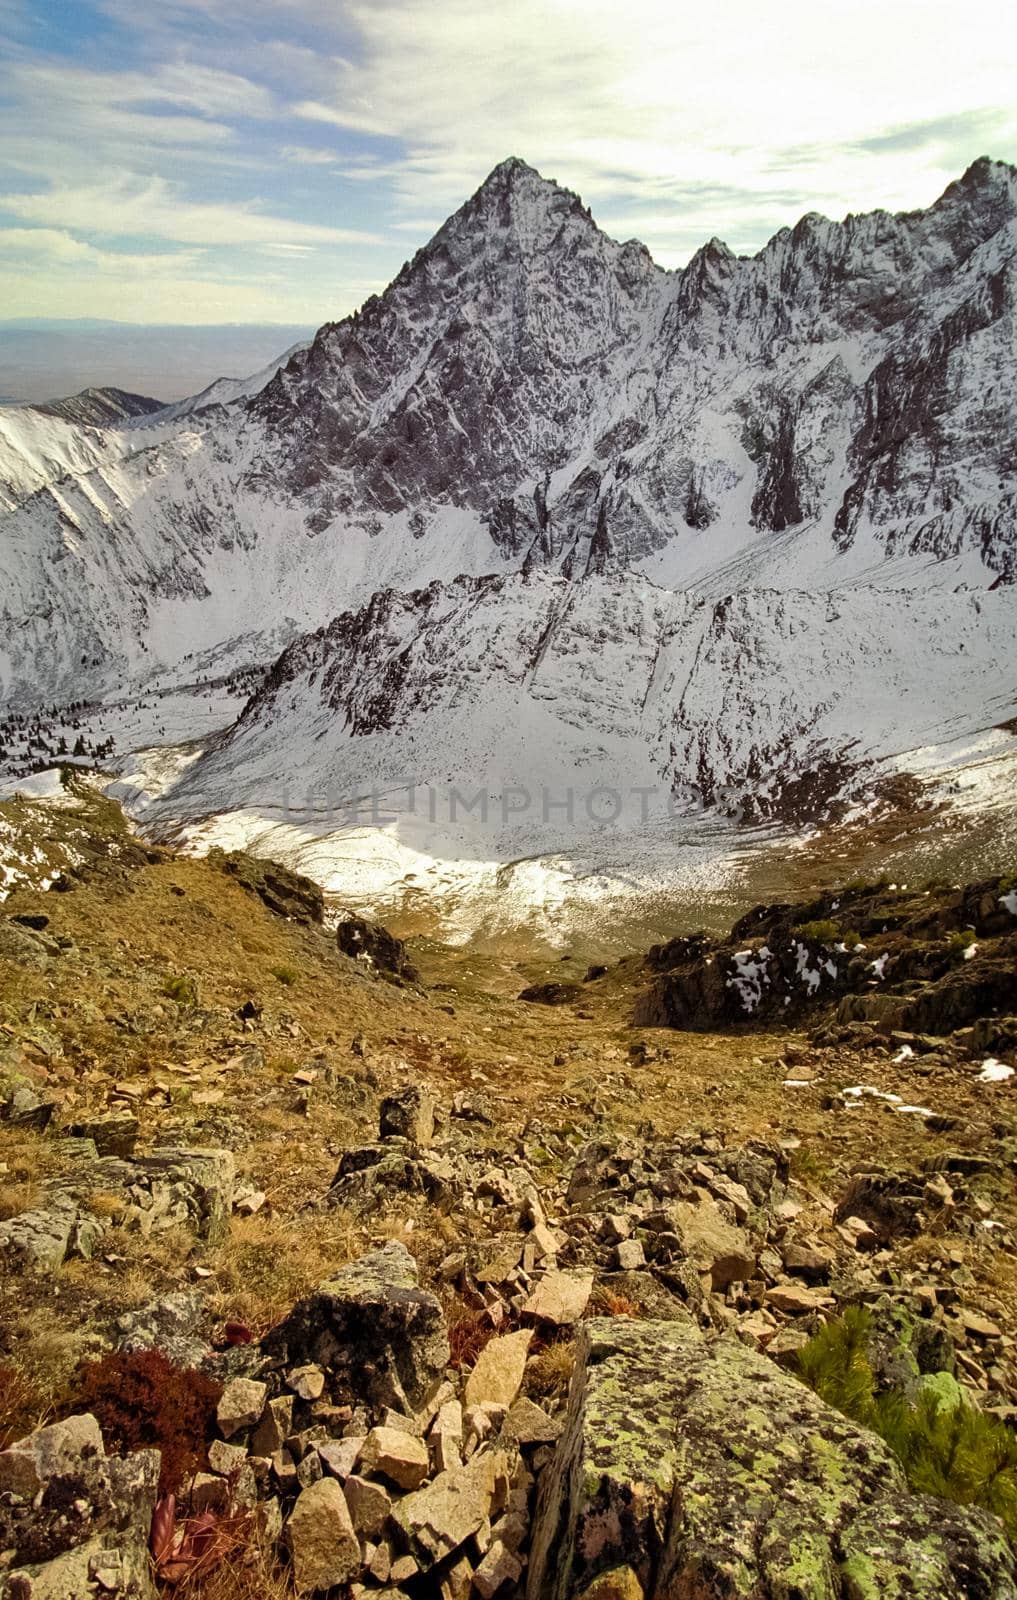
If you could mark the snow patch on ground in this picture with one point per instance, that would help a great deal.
(46, 785)
(993, 1071)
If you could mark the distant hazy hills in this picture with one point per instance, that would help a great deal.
(43, 358)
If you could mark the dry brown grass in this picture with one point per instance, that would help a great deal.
(140, 1270)
(24, 1405)
(252, 1573)
(18, 1197)
(549, 1373)
(605, 1303)
(36, 1378)
(29, 1157)
(105, 1203)
(269, 1261)
(468, 1332)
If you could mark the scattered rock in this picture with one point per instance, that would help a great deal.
(240, 1405)
(307, 1383)
(400, 1457)
(373, 1329)
(529, 1424)
(552, 994)
(438, 1519)
(560, 1298)
(322, 1542)
(498, 1374)
(718, 1246)
(498, 1568)
(370, 1505)
(287, 894)
(796, 1300)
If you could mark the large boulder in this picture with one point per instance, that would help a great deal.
(885, 956)
(377, 1334)
(713, 1475)
(39, 1238)
(369, 941)
(287, 894)
(74, 1522)
(167, 1188)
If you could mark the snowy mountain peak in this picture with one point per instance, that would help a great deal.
(530, 395)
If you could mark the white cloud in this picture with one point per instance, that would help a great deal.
(56, 247)
(303, 155)
(51, 276)
(675, 122)
(774, 109)
(124, 206)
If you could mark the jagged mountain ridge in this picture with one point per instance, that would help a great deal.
(586, 384)
(836, 410)
(99, 408)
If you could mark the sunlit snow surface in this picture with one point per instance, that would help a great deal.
(469, 881)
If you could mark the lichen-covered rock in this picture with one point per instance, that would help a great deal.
(925, 1549)
(99, 1567)
(39, 1238)
(62, 1447)
(713, 1475)
(24, 947)
(115, 1134)
(377, 1334)
(167, 1188)
(69, 1513)
(176, 1324)
(620, 1583)
(367, 1176)
(407, 1115)
(22, 1105)
(883, 955)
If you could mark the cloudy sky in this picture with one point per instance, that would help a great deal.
(210, 161)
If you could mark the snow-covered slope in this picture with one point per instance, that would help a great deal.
(533, 683)
(38, 447)
(44, 443)
(838, 410)
(565, 754)
(544, 531)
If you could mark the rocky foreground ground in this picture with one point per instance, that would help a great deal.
(334, 1266)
